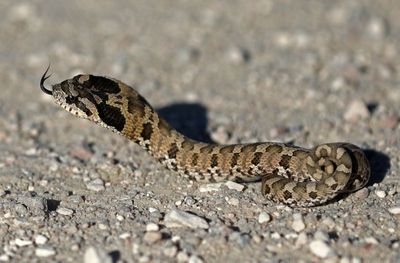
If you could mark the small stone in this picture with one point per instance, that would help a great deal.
(380, 193)
(152, 237)
(377, 27)
(45, 252)
(64, 211)
(234, 186)
(96, 255)
(4, 258)
(356, 110)
(96, 185)
(238, 55)
(394, 210)
(298, 224)
(329, 222)
(264, 217)
(210, 187)
(362, 193)
(195, 259)
(120, 218)
(220, 135)
(125, 235)
(178, 218)
(232, 201)
(170, 251)
(152, 227)
(152, 209)
(2, 193)
(22, 242)
(371, 240)
(182, 257)
(321, 249)
(40, 239)
(301, 239)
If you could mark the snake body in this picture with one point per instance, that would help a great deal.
(292, 175)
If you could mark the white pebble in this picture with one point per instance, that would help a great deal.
(321, 249)
(4, 258)
(380, 193)
(64, 211)
(96, 255)
(22, 242)
(45, 252)
(301, 239)
(152, 227)
(298, 224)
(234, 186)
(96, 185)
(395, 210)
(356, 110)
(125, 235)
(264, 217)
(40, 239)
(232, 201)
(152, 237)
(195, 259)
(178, 218)
(152, 209)
(210, 187)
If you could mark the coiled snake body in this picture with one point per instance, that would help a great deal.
(291, 175)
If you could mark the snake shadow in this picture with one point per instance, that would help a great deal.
(190, 119)
(380, 165)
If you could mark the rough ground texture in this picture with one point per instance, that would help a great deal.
(302, 71)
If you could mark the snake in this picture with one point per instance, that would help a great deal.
(290, 175)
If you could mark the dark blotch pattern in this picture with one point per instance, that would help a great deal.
(111, 116)
(234, 159)
(313, 195)
(147, 131)
(173, 149)
(214, 160)
(103, 84)
(285, 160)
(256, 158)
(287, 194)
(195, 159)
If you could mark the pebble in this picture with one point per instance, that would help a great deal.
(22, 243)
(170, 251)
(96, 185)
(220, 135)
(182, 257)
(264, 217)
(152, 237)
(64, 211)
(298, 224)
(195, 259)
(40, 239)
(394, 210)
(178, 218)
(232, 201)
(96, 255)
(238, 55)
(362, 193)
(380, 193)
(210, 187)
(44, 252)
(329, 222)
(301, 239)
(321, 249)
(234, 186)
(377, 27)
(152, 227)
(356, 110)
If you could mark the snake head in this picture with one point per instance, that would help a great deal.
(90, 97)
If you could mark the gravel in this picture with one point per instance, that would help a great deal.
(299, 72)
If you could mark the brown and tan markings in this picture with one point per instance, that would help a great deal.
(291, 175)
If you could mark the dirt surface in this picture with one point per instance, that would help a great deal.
(300, 71)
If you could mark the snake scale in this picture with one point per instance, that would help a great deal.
(291, 175)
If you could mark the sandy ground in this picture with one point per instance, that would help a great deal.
(300, 71)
